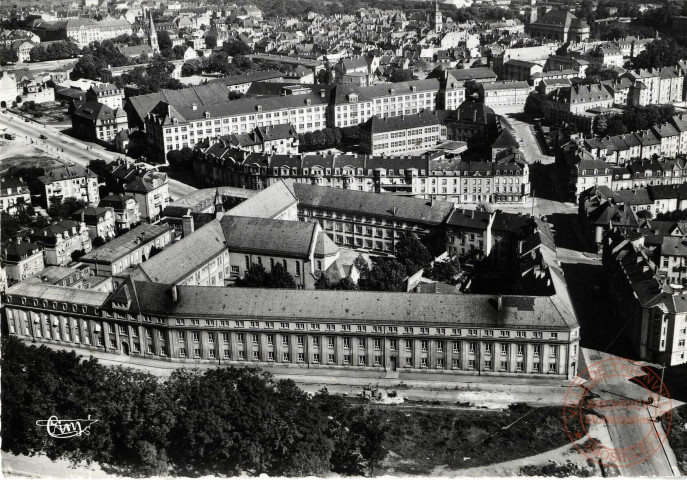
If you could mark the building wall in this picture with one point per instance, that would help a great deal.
(82, 188)
(25, 268)
(334, 345)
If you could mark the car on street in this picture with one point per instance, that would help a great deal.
(42, 137)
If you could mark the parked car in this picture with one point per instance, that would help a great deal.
(42, 137)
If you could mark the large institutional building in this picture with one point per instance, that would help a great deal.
(376, 331)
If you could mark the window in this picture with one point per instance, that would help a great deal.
(488, 333)
(316, 358)
(256, 356)
(409, 345)
(487, 348)
(407, 329)
(182, 352)
(521, 349)
(537, 335)
(472, 332)
(239, 338)
(196, 337)
(347, 343)
(552, 368)
(487, 364)
(300, 340)
(181, 337)
(521, 334)
(423, 345)
(456, 347)
(472, 347)
(392, 344)
(330, 358)
(505, 333)
(314, 326)
(347, 359)
(504, 365)
(361, 360)
(440, 346)
(536, 350)
(270, 356)
(301, 357)
(423, 363)
(285, 357)
(285, 341)
(554, 335)
(455, 363)
(330, 327)
(504, 349)
(471, 364)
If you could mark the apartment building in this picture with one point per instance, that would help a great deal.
(653, 307)
(107, 94)
(96, 122)
(99, 220)
(21, 259)
(72, 181)
(655, 86)
(577, 99)
(60, 240)
(129, 249)
(523, 336)
(280, 139)
(151, 192)
(126, 212)
(14, 192)
(407, 134)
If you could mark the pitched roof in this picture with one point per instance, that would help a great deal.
(373, 204)
(125, 243)
(265, 235)
(377, 124)
(182, 258)
(267, 203)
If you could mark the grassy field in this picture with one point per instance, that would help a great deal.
(39, 161)
(421, 440)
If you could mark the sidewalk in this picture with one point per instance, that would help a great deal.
(413, 385)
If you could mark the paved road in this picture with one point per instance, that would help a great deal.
(69, 149)
(630, 423)
(42, 66)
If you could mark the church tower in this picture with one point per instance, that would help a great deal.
(152, 34)
(438, 19)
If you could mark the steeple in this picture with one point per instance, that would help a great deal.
(438, 19)
(152, 34)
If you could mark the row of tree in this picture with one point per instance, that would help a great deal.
(633, 119)
(55, 51)
(223, 422)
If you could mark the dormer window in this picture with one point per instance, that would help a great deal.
(175, 121)
(413, 88)
(308, 101)
(207, 114)
(258, 108)
(392, 91)
(353, 97)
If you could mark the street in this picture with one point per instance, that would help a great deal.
(64, 147)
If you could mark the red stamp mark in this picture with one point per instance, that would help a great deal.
(626, 398)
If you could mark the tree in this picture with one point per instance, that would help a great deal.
(401, 75)
(280, 277)
(323, 283)
(345, 284)
(535, 105)
(174, 157)
(412, 253)
(645, 214)
(99, 167)
(186, 157)
(7, 55)
(255, 276)
(386, 274)
(473, 88)
(164, 41)
(325, 76)
(235, 47)
(64, 208)
(234, 95)
(444, 271)
(663, 52)
(98, 242)
(18, 99)
(77, 254)
(211, 40)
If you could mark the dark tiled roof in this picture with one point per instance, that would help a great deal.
(376, 124)
(273, 237)
(373, 204)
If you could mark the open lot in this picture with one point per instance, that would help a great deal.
(17, 153)
(420, 440)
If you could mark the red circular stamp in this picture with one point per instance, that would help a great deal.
(627, 400)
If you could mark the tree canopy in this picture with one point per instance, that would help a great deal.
(222, 422)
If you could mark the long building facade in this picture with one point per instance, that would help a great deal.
(374, 331)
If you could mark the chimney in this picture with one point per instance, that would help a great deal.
(83, 216)
(499, 302)
(187, 225)
(175, 294)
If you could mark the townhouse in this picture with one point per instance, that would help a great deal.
(96, 122)
(505, 93)
(107, 94)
